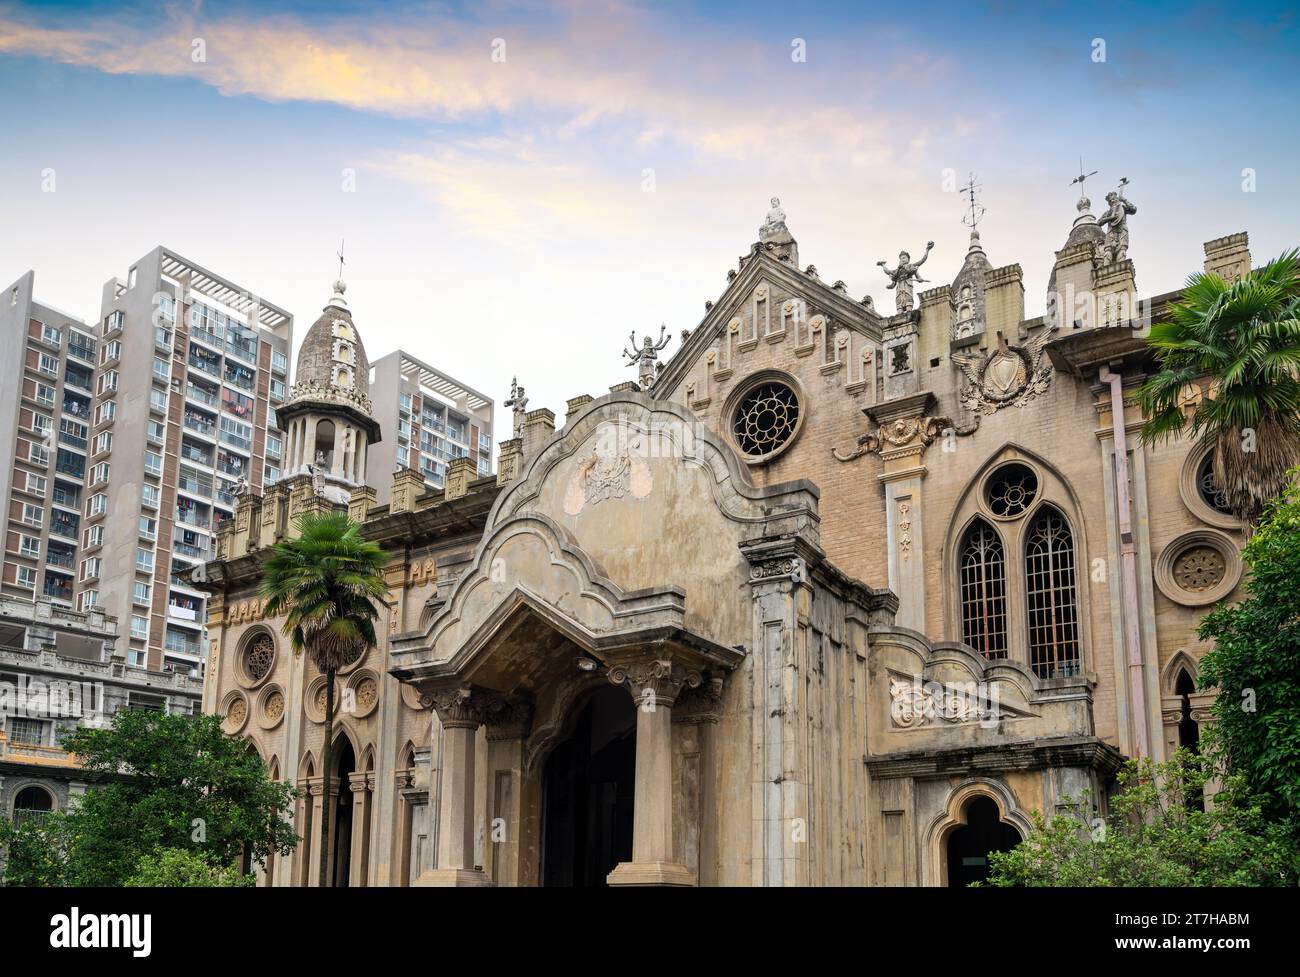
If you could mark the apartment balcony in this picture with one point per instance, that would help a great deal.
(202, 396)
(76, 376)
(57, 588)
(211, 365)
(182, 610)
(66, 559)
(191, 550)
(195, 453)
(191, 518)
(239, 376)
(199, 426)
(195, 486)
(75, 406)
(65, 525)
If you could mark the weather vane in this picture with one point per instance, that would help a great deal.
(340, 255)
(1082, 176)
(976, 213)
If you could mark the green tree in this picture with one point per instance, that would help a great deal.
(326, 582)
(163, 782)
(1246, 338)
(1255, 663)
(1156, 836)
(35, 849)
(183, 868)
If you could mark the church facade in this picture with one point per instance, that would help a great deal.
(832, 597)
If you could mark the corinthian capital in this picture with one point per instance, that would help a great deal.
(461, 707)
(659, 680)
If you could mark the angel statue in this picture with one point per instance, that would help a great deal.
(1115, 220)
(904, 275)
(647, 357)
(519, 403)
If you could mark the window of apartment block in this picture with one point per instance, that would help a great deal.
(110, 352)
(42, 423)
(270, 474)
(141, 594)
(279, 362)
(29, 545)
(157, 432)
(99, 474)
(90, 568)
(139, 626)
(144, 559)
(95, 536)
(113, 321)
(45, 395)
(37, 455)
(148, 528)
(36, 484)
(106, 412)
(107, 382)
(33, 515)
(25, 577)
(103, 442)
(97, 505)
(152, 463)
(403, 456)
(158, 400)
(87, 599)
(149, 496)
(51, 334)
(48, 364)
(277, 389)
(161, 369)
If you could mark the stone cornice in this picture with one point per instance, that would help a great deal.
(1073, 751)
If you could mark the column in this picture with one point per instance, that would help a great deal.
(508, 724)
(317, 792)
(459, 710)
(654, 685)
(360, 849)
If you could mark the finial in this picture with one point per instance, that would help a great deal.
(1084, 203)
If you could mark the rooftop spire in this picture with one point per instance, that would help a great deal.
(340, 286)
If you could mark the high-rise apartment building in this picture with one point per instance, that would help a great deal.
(428, 418)
(47, 367)
(191, 368)
(130, 440)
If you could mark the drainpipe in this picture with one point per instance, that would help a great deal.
(1128, 568)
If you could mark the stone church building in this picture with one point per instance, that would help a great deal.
(831, 597)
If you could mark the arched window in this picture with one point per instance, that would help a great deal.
(1051, 596)
(984, 591)
(32, 801)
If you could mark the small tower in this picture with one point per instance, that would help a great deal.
(328, 418)
(969, 311)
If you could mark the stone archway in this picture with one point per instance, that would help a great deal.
(955, 816)
(970, 843)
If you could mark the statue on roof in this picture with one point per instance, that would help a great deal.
(902, 277)
(775, 218)
(647, 357)
(1115, 221)
(518, 402)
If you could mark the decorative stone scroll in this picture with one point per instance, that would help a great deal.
(913, 704)
(658, 680)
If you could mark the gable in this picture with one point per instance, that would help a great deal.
(767, 300)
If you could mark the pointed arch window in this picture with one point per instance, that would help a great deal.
(984, 591)
(1051, 596)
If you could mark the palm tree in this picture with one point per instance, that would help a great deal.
(326, 582)
(1246, 338)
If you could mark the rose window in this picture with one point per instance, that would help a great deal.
(1011, 490)
(1199, 569)
(766, 419)
(258, 658)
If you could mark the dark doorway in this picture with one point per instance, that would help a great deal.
(587, 791)
(341, 857)
(970, 844)
(1189, 731)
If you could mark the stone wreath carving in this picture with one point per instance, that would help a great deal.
(608, 475)
(1006, 375)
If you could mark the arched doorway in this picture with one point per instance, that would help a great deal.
(982, 831)
(341, 855)
(587, 793)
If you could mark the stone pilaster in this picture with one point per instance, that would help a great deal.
(360, 501)
(408, 485)
(459, 473)
(510, 460)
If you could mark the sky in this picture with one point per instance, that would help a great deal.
(520, 185)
